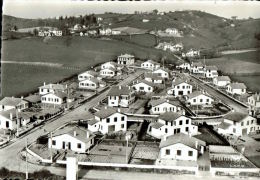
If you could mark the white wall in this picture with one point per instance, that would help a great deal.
(164, 107)
(107, 72)
(51, 99)
(147, 88)
(198, 100)
(88, 84)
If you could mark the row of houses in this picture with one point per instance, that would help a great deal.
(169, 46)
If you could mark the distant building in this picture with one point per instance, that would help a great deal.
(197, 68)
(108, 72)
(191, 53)
(170, 46)
(120, 96)
(150, 64)
(254, 103)
(162, 72)
(170, 123)
(172, 31)
(199, 98)
(105, 31)
(161, 106)
(238, 124)
(8, 103)
(126, 59)
(145, 20)
(109, 64)
(154, 78)
(236, 88)
(181, 147)
(55, 98)
(75, 139)
(211, 71)
(221, 81)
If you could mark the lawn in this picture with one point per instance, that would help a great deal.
(80, 52)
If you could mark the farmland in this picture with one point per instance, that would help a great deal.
(80, 52)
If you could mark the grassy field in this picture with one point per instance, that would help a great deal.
(251, 81)
(80, 52)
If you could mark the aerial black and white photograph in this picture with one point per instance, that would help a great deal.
(125, 90)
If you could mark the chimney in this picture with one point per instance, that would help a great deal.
(202, 150)
(183, 112)
(51, 85)
(11, 116)
(118, 110)
(167, 100)
(66, 86)
(129, 87)
(12, 97)
(196, 144)
(189, 134)
(164, 138)
(105, 107)
(75, 133)
(119, 87)
(44, 83)
(21, 97)
(87, 134)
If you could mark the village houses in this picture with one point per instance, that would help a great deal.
(154, 78)
(91, 84)
(199, 98)
(120, 96)
(192, 53)
(143, 86)
(170, 123)
(109, 64)
(236, 88)
(162, 72)
(197, 68)
(87, 75)
(150, 64)
(170, 46)
(108, 72)
(105, 31)
(8, 103)
(51, 88)
(172, 31)
(180, 87)
(221, 81)
(238, 124)
(55, 98)
(126, 59)
(183, 65)
(75, 139)
(254, 103)
(211, 71)
(181, 147)
(160, 106)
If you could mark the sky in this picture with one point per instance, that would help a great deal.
(54, 8)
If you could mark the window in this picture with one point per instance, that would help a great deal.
(108, 120)
(123, 118)
(53, 142)
(167, 151)
(187, 121)
(190, 153)
(252, 121)
(234, 130)
(141, 88)
(187, 129)
(201, 100)
(178, 152)
(166, 130)
(149, 88)
(180, 122)
(115, 119)
(194, 100)
(242, 123)
(122, 126)
(247, 123)
(183, 87)
(79, 145)
(178, 87)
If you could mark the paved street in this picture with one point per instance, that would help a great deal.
(10, 155)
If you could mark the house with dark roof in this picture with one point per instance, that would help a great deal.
(162, 72)
(87, 75)
(150, 64)
(238, 124)
(91, 83)
(199, 98)
(111, 120)
(8, 103)
(197, 68)
(236, 88)
(120, 96)
(143, 86)
(161, 106)
(211, 72)
(55, 98)
(50, 88)
(126, 59)
(74, 139)
(170, 123)
(181, 147)
(180, 87)
(221, 81)
(108, 72)
(154, 78)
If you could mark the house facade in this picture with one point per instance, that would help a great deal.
(161, 106)
(108, 65)
(109, 72)
(154, 78)
(87, 75)
(51, 88)
(91, 84)
(8, 103)
(211, 72)
(150, 64)
(181, 147)
(184, 65)
(56, 98)
(238, 124)
(199, 98)
(164, 73)
(77, 140)
(180, 87)
(171, 123)
(221, 81)
(254, 103)
(120, 96)
(143, 86)
(126, 59)
(197, 68)
(236, 88)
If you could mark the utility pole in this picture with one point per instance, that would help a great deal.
(26, 171)
(18, 122)
(51, 148)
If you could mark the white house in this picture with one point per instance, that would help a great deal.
(56, 98)
(221, 81)
(91, 84)
(51, 88)
(8, 103)
(171, 123)
(197, 68)
(143, 86)
(181, 147)
(154, 78)
(87, 75)
(172, 31)
(150, 64)
(254, 103)
(120, 96)
(180, 87)
(75, 139)
(108, 72)
(170, 46)
(105, 31)
(145, 20)
(111, 120)
(126, 59)
(161, 106)
(108, 65)
(199, 98)
(211, 71)
(191, 53)
(236, 88)
(164, 73)
(77, 27)
(184, 65)
(238, 124)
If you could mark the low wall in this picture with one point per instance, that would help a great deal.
(233, 171)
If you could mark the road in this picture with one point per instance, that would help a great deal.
(10, 155)
(233, 104)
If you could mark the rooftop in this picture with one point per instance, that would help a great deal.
(212, 68)
(237, 85)
(33, 98)
(54, 86)
(223, 78)
(170, 116)
(195, 94)
(11, 101)
(119, 90)
(236, 116)
(161, 101)
(105, 112)
(156, 125)
(126, 55)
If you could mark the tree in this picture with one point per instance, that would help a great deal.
(15, 28)
(155, 11)
(35, 32)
